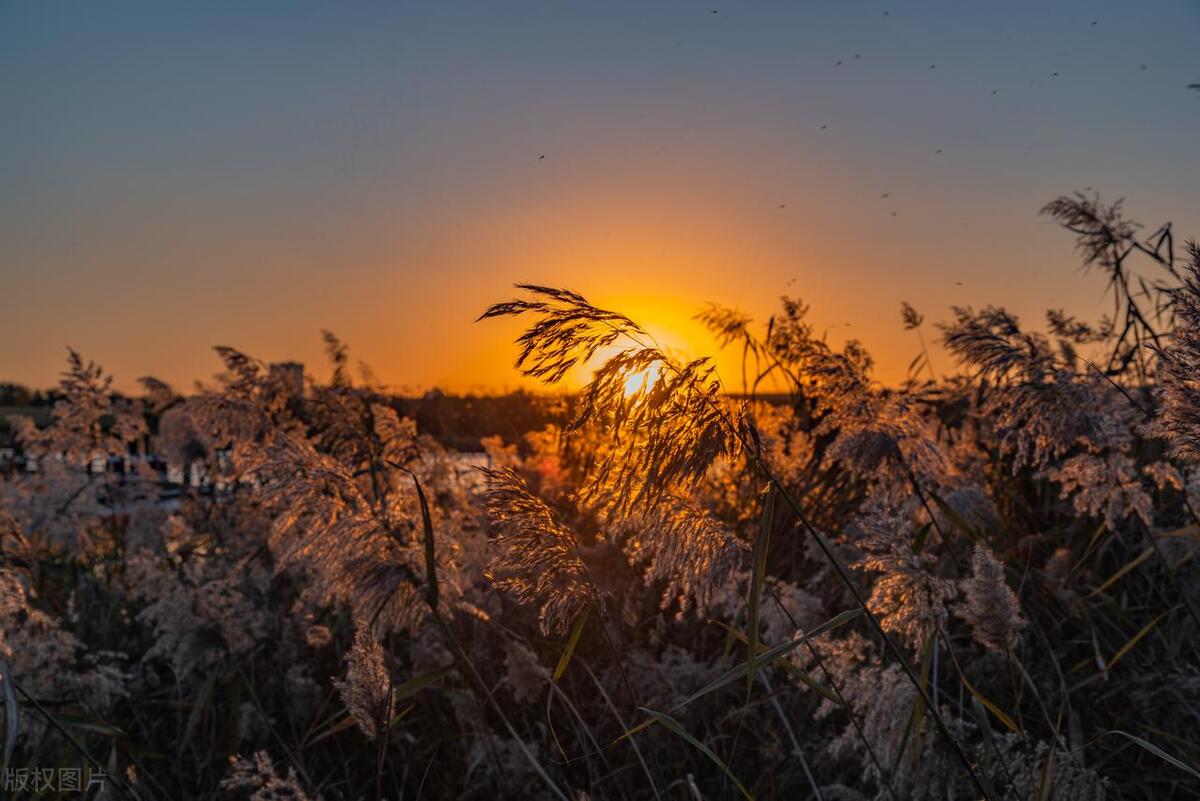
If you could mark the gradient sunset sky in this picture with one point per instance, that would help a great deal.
(177, 176)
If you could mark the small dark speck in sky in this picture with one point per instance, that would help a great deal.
(1054, 75)
(939, 150)
(783, 205)
(823, 127)
(1141, 66)
(541, 157)
(994, 91)
(885, 194)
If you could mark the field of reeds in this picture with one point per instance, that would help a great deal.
(975, 586)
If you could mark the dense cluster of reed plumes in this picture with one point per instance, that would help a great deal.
(979, 585)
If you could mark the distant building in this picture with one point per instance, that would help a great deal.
(290, 375)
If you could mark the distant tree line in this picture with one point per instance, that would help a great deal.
(456, 421)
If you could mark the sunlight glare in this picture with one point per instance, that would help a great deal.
(642, 380)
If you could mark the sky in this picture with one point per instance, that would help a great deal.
(178, 176)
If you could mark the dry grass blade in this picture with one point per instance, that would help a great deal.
(117, 781)
(347, 722)
(758, 575)
(918, 715)
(991, 707)
(788, 666)
(991, 757)
(844, 574)
(430, 553)
(1045, 784)
(465, 660)
(572, 641)
(952, 514)
(419, 682)
(1126, 568)
(612, 707)
(738, 671)
(12, 713)
(1135, 639)
(1154, 749)
(674, 726)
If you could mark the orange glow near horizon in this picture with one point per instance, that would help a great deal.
(652, 239)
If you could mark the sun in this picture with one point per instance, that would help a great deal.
(673, 331)
(642, 380)
(635, 381)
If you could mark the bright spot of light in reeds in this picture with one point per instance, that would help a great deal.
(635, 381)
(642, 380)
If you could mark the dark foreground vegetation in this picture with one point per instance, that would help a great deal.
(978, 585)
